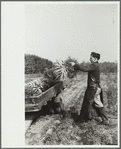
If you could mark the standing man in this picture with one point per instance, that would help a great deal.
(93, 98)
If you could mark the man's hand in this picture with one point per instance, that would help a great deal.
(72, 63)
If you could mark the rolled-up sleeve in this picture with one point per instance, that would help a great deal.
(88, 68)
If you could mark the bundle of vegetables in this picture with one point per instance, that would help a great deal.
(60, 72)
(63, 70)
(36, 87)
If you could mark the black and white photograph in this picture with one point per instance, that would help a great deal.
(70, 63)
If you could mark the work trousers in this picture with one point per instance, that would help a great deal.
(89, 110)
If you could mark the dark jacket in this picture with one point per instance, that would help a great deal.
(93, 73)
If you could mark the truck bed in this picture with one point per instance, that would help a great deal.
(35, 103)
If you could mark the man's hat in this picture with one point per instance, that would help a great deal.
(96, 55)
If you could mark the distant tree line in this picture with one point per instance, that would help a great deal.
(35, 64)
(107, 67)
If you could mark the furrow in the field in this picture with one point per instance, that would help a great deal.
(71, 94)
(76, 101)
(75, 96)
(71, 90)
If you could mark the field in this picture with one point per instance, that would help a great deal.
(53, 130)
(30, 77)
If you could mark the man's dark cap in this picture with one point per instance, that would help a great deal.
(96, 55)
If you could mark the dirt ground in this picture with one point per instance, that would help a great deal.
(55, 130)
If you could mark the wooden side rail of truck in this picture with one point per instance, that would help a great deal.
(35, 103)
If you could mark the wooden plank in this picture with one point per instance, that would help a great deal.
(38, 101)
(41, 100)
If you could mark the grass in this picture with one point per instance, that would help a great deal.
(109, 86)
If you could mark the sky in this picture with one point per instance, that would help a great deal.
(58, 30)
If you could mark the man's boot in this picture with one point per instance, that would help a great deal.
(103, 115)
